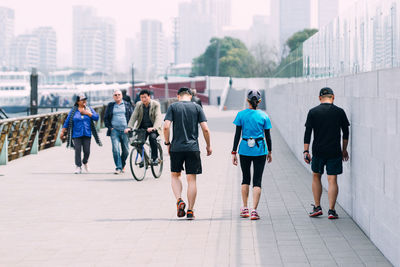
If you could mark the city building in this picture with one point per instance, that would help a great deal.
(24, 52)
(6, 34)
(294, 16)
(47, 39)
(195, 30)
(94, 38)
(327, 11)
(153, 48)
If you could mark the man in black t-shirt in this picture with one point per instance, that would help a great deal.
(184, 148)
(326, 121)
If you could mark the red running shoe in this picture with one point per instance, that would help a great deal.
(180, 205)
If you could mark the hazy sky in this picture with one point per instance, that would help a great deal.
(127, 14)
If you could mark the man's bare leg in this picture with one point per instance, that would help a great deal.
(317, 188)
(176, 184)
(333, 191)
(192, 190)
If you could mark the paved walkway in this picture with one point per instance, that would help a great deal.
(50, 217)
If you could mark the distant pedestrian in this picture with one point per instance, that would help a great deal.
(184, 148)
(126, 97)
(116, 118)
(254, 127)
(79, 126)
(326, 121)
(195, 98)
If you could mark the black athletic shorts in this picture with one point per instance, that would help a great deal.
(191, 159)
(333, 166)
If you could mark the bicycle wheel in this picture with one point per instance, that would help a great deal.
(138, 163)
(157, 169)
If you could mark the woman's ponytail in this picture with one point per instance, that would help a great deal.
(254, 102)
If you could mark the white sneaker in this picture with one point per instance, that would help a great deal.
(86, 168)
(118, 171)
(78, 170)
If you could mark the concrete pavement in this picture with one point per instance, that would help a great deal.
(52, 217)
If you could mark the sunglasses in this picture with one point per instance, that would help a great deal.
(117, 94)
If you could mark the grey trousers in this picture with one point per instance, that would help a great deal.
(80, 142)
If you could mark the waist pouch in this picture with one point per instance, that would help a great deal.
(251, 142)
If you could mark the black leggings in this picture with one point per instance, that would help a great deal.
(79, 143)
(259, 164)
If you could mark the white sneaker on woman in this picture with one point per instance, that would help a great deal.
(86, 168)
(78, 170)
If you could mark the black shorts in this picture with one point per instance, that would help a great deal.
(191, 159)
(333, 166)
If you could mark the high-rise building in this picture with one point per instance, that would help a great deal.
(6, 34)
(196, 28)
(24, 52)
(152, 49)
(327, 11)
(47, 48)
(93, 40)
(294, 16)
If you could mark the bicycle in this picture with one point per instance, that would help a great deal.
(139, 157)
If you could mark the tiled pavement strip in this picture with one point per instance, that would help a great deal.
(51, 217)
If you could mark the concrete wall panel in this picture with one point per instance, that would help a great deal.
(369, 186)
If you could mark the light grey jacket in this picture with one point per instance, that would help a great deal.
(154, 112)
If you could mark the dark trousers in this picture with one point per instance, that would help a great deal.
(258, 164)
(153, 143)
(79, 143)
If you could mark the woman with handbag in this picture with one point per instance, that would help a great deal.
(79, 126)
(254, 126)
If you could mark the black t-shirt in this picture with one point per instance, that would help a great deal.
(326, 120)
(185, 116)
(146, 121)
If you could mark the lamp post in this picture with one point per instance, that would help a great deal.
(133, 83)
(166, 80)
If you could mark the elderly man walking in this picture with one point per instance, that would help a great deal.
(116, 120)
(327, 121)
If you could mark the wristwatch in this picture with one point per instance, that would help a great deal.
(167, 144)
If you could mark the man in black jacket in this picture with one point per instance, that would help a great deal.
(116, 120)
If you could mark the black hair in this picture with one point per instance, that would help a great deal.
(254, 102)
(144, 91)
(123, 91)
(77, 100)
(184, 91)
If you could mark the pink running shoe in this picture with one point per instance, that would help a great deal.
(244, 212)
(254, 215)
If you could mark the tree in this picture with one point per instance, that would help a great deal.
(299, 38)
(266, 60)
(232, 55)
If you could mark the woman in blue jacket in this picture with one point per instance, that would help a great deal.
(254, 126)
(80, 129)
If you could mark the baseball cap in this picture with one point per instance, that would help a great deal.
(81, 96)
(253, 93)
(184, 89)
(326, 91)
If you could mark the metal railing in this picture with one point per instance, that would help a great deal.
(292, 65)
(28, 135)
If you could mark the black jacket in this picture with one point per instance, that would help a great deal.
(109, 114)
